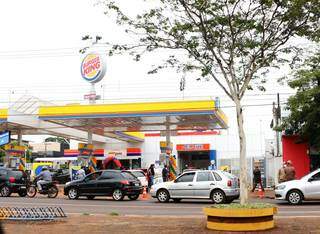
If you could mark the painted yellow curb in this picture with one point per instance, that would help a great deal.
(241, 226)
(240, 219)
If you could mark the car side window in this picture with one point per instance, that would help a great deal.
(217, 176)
(316, 177)
(188, 177)
(107, 175)
(204, 176)
(93, 176)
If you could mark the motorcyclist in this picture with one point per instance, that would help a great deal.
(43, 178)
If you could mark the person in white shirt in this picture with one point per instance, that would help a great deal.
(81, 173)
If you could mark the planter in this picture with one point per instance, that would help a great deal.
(240, 219)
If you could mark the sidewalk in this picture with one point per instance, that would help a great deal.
(145, 225)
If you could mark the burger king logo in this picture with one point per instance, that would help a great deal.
(93, 68)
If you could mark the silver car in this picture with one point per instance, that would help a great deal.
(219, 186)
(295, 191)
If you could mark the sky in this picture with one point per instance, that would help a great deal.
(39, 56)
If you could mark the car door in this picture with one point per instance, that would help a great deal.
(203, 184)
(313, 187)
(183, 186)
(89, 184)
(105, 183)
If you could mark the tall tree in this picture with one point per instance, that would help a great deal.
(304, 106)
(230, 41)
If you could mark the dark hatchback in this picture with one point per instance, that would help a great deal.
(12, 181)
(115, 183)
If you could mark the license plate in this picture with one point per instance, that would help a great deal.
(23, 187)
(136, 184)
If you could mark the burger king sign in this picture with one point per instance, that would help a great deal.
(93, 67)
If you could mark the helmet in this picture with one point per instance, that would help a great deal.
(44, 169)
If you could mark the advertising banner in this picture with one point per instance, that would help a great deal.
(5, 138)
(37, 167)
(15, 150)
(85, 150)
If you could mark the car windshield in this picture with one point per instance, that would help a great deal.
(138, 173)
(128, 175)
(308, 175)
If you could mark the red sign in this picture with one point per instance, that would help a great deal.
(193, 147)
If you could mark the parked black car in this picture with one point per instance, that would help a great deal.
(12, 181)
(115, 183)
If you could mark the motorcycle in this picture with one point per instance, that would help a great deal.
(49, 188)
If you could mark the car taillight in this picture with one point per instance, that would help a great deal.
(12, 180)
(124, 182)
(229, 183)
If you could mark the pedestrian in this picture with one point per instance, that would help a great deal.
(290, 171)
(282, 174)
(257, 178)
(150, 175)
(81, 173)
(165, 173)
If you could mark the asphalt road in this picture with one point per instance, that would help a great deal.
(106, 205)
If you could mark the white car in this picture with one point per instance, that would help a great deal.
(219, 186)
(141, 176)
(296, 191)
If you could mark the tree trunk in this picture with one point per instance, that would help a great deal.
(243, 161)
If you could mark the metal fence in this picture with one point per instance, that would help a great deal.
(38, 213)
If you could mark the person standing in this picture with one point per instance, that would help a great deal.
(282, 174)
(81, 173)
(290, 171)
(257, 178)
(165, 173)
(150, 175)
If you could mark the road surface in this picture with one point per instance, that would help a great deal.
(106, 205)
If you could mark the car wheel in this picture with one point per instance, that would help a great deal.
(218, 197)
(91, 197)
(117, 195)
(73, 193)
(5, 191)
(163, 196)
(134, 197)
(22, 193)
(176, 200)
(294, 197)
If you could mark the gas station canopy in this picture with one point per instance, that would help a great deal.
(129, 118)
(3, 115)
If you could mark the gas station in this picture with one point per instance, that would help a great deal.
(117, 129)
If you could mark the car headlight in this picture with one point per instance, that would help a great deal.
(68, 183)
(280, 187)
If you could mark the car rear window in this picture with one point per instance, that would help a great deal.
(138, 173)
(128, 175)
(16, 174)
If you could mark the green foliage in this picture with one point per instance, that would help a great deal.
(244, 206)
(230, 41)
(60, 140)
(304, 107)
